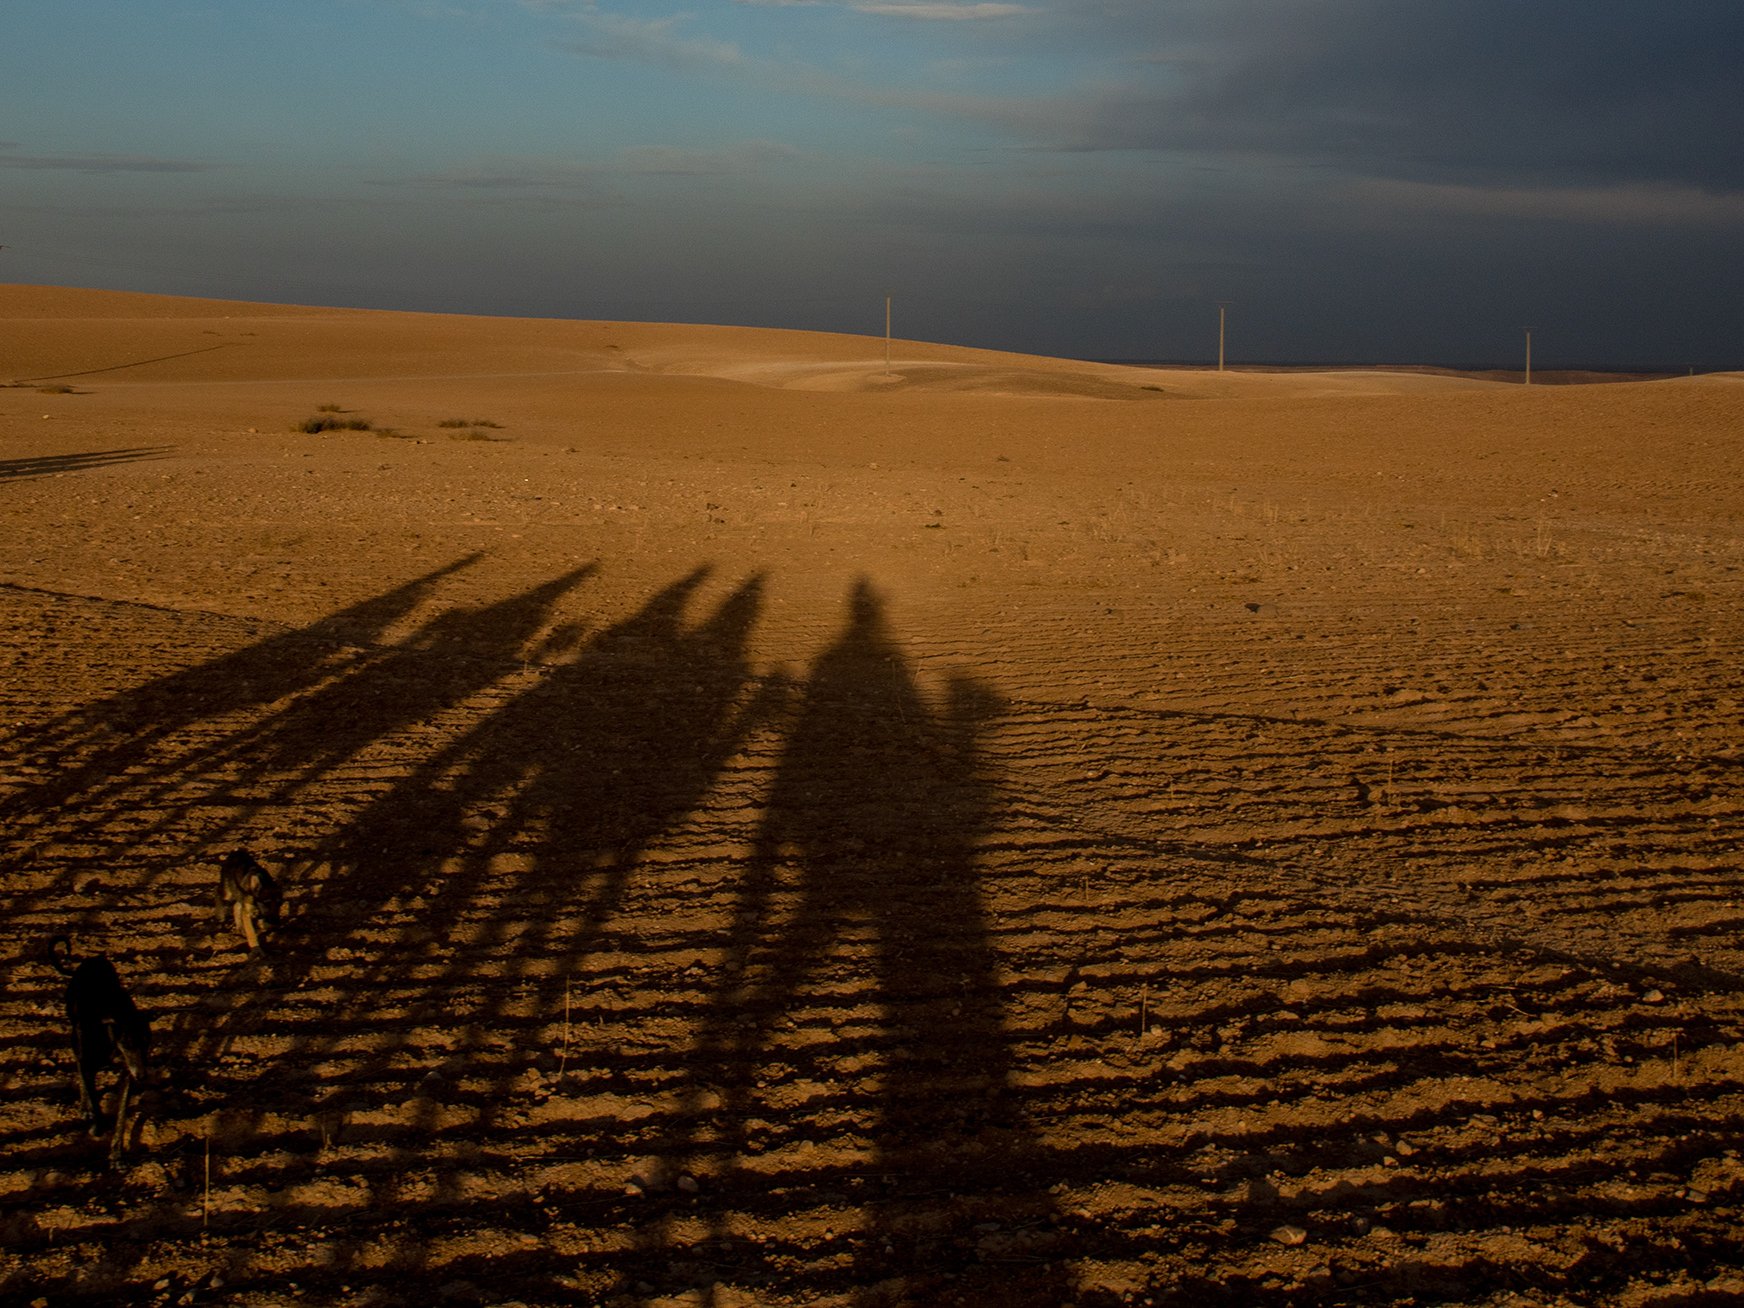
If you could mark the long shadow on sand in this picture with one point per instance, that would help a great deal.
(508, 848)
(152, 757)
(449, 916)
(516, 806)
(859, 962)
(49, 465)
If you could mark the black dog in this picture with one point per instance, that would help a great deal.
(250, 893)
(105, 1026)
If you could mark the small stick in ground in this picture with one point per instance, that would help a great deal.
(563, 1062)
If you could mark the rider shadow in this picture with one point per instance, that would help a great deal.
(497, 867)
(52, 465)
(861, 955)
(143, 760)
(452, 657)
(579, 772)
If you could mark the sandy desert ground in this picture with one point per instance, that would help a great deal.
(759, 830)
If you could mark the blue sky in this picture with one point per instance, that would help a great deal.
(1388, 180)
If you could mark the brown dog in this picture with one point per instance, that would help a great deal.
(250, 894)
(106, 1027)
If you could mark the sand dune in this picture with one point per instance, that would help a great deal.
(75, 335)
(758, 831)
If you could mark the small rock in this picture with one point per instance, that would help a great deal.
(687, 1183)
(1291, 1235)
(1653, 997)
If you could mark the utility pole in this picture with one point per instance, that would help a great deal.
(887, 336)
(1221, 306)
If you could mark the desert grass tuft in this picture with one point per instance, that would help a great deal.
(319, 424)
(468, 422)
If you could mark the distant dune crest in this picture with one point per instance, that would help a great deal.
(102, 337)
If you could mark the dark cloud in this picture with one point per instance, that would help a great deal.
(1599, 93)
(594, 177)
(1595, 92)
(1373, 180)
(97, 163)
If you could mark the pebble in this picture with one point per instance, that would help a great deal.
(1291, 1235)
